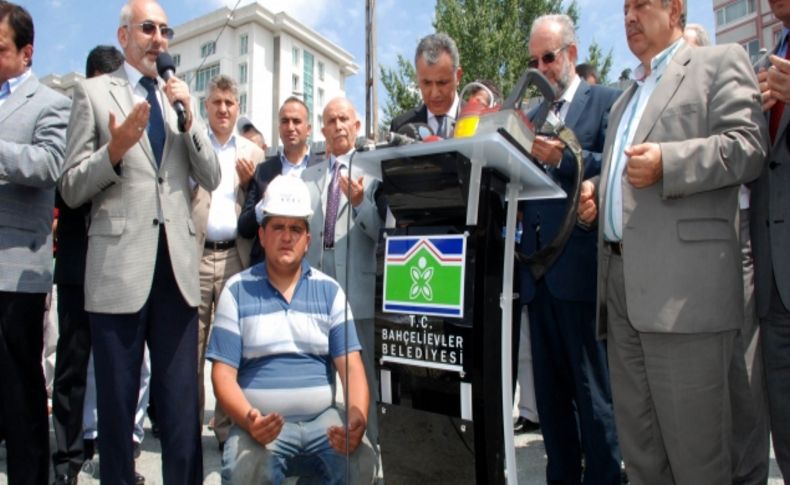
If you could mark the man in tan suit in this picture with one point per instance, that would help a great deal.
(224, 252)
(680, 141)
(128, 157)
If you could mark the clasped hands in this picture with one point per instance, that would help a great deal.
(265, 428)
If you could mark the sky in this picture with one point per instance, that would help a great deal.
(67, 29)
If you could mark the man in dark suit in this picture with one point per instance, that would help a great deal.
(294, 128)
(127, 155)
(32, 140)
(770, 207)
(74, 340)
(436, 63)
(571, 377)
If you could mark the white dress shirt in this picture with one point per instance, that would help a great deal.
(222, 211)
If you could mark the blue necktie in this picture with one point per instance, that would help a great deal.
(156, 124)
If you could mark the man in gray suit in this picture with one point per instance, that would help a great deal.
(770, 230)
(680, 141)
(32, 140)
(347, 227)
(126, 155)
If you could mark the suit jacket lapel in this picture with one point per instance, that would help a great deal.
(121, 92)
(19, 97)
(664, 92)
(578, 104)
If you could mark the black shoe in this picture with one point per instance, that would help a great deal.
(524, 425)
(138, 479)
(136, 449)
(64, 480)
(88, 449)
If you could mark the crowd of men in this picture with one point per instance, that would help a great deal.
(659, 339)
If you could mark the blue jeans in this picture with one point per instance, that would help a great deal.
(301, 450)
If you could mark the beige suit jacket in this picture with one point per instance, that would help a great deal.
(128, 205)
(681, 252)
(201, 201)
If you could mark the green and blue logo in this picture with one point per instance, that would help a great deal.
(425, 275)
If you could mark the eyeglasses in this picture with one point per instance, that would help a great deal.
(547, 58)
(148, 27)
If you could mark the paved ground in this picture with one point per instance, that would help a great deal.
(530, 456)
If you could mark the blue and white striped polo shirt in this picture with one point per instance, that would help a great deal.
(283, 352)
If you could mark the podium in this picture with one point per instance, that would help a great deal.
(445, 305)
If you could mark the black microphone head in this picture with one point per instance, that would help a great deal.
(164, 63)
(410, 130)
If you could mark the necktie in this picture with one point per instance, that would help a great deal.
(156, 124)
(441, 122)
(779, 107)
(556, 106)
(332, 203)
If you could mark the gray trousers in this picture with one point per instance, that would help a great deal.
(750, 454)
(671, 397)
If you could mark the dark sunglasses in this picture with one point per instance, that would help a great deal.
(148, 27)
(547, 58)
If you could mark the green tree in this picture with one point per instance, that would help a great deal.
(401, 87)
(602, 64)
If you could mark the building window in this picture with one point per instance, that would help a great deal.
(208, 48)
(176, 60)
(295, 84)
(295, 56)
(243, 103)
(244, 41)
(202, 104)
(320, 98)
(753, 49)
(243, 73)
(320, 71)
(205, 75)
(734, 11)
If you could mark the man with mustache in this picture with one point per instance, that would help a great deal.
(127, 156)
(681, 140)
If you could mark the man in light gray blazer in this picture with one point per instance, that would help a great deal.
(770, 230)
(32, 140)
(670, 293)
(127, 156)
(355, 271)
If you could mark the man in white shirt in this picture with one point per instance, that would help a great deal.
(224, 252)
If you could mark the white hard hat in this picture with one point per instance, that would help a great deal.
(285, 196)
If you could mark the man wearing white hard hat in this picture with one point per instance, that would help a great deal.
(281, 330)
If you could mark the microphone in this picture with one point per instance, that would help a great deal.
(167, 69)
(762, 61)
(398, 139)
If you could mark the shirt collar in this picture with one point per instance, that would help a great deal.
(215, 141)
(8, 87)
(451, 113)
(570, 91)
(133, 75)
(303, 161)
(343, 159)
(659, 63)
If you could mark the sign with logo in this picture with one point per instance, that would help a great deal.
(424, 275)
